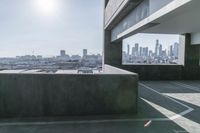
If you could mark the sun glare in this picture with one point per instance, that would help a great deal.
(47, 7)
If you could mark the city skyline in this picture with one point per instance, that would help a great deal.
(158, 48)
(139, 54)
(30, 25)
(149, 40)
(137, 50)
(60, 61)
(58, 53)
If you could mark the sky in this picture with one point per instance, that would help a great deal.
(44, 27)
(149, 40)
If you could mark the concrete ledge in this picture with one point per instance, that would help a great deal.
(48, 95)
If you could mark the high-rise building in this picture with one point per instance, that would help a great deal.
(133, 51)
(160, 50)
(171, 50)
(140, 52)
(62, 53)
(176, 47)
(145, 51)
(136, 49)
(128, 49)
(157, 48)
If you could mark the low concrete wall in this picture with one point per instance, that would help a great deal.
(44, 95)
(156, 72)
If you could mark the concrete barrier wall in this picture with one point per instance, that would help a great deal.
(44, 95)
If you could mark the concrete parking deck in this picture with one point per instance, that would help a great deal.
(164, 106)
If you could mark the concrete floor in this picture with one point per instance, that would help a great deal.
(167, 107)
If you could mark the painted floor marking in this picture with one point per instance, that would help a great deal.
(180, 131)
(189, 109)
(187, 86)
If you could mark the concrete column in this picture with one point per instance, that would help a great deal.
(112, 51)
(191, 69)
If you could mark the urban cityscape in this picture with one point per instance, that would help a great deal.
(86, 62)
(144, 55)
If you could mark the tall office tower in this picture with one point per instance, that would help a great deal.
(171, 51)
(62, 53)
(140, 52)
(128, 49)
(133, 51)
(136, 49)
(84, 52)
(157, 48)
(146, 51)
(143, 51)
(176, 46)
(160, 50)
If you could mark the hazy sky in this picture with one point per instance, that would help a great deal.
(149, 40)
(47, 26)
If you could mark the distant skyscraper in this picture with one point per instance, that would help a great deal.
(157, 48)
(140, 52)
(133, 51)
(176, 46)
(160, 50)
(171, 50)
(136, 49)
(62, 53)
(128, 49)
(84, 52)
(145, 51)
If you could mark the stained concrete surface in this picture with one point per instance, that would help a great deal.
(47, 95)
(172, 106)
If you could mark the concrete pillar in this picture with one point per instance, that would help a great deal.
(112, 51)
(191, 69)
